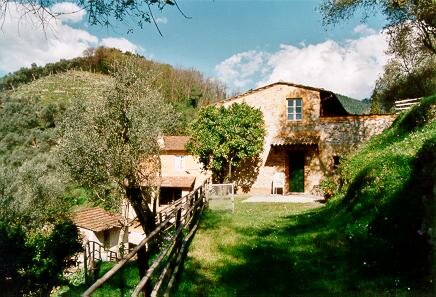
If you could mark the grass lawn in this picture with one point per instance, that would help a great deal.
(273, 250)
(121, 284)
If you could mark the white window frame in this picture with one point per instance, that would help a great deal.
(294, 109)
(179, 163)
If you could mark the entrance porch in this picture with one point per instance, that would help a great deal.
(298, 163)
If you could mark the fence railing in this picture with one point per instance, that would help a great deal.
(221, 196)
(402, 105)
(183, 217)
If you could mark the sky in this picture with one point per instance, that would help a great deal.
(245, 44)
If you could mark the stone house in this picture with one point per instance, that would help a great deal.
(308, 131)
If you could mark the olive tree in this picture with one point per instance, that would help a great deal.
(102, 12)
(228, 142)
(405, 18)
(411, 27)
(111, 145)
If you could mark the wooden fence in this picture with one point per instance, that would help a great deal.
(402, 105)
(182, 216)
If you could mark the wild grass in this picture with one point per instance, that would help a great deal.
(121, 284)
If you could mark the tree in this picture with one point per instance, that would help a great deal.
(102, 12)
(405, 17)
(411, 26)
(227, 140)
(396, 84)
(110, 145)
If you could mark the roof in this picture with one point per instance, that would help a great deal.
(296, 140)
(175, 143)
(251, 91)
(95, 219)
(351, 106)
(177, 181)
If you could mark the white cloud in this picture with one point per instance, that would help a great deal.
(350, 68)
(363, 29)
(121, 44)
(23, 41)
(161, 20)
(240, 69)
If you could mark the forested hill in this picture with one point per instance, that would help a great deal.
(178, 86)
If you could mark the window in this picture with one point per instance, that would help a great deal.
(295, 109)
(179, 163)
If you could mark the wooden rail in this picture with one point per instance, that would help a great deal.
(182, 215)
(402, 105)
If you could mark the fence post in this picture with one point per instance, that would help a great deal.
(178, 222)
(85, 263)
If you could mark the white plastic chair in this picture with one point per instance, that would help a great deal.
(279, 182)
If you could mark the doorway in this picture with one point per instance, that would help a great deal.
(296, 171)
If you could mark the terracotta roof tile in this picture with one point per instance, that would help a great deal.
(95, 219)
(297, 139)
(175, 143)
(178, 182)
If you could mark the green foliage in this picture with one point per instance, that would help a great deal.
(33, 262)
(396, 84)
(121, 284)
(36, 239)
(329, 187)
(402, 16)
(353, 106)
(104, 141)
(105, 13)
(411, 27)
(227, 140)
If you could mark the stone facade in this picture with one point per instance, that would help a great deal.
(326, 132)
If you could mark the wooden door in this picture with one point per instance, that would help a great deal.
(296, 172)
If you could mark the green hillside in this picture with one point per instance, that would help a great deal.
(177, 85)
(385, 208)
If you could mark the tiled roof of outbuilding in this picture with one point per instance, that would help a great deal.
(178, 182)
(175, 143)
(296, 140)
(95, 219)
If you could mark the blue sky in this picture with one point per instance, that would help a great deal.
(243, 43)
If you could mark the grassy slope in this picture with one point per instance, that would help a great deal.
(375, 238)
(64, 86)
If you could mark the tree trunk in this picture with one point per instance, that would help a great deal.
(229, 173)
(146, 218)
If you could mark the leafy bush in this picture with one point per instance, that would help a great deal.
(33, 262)
(329, 187)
